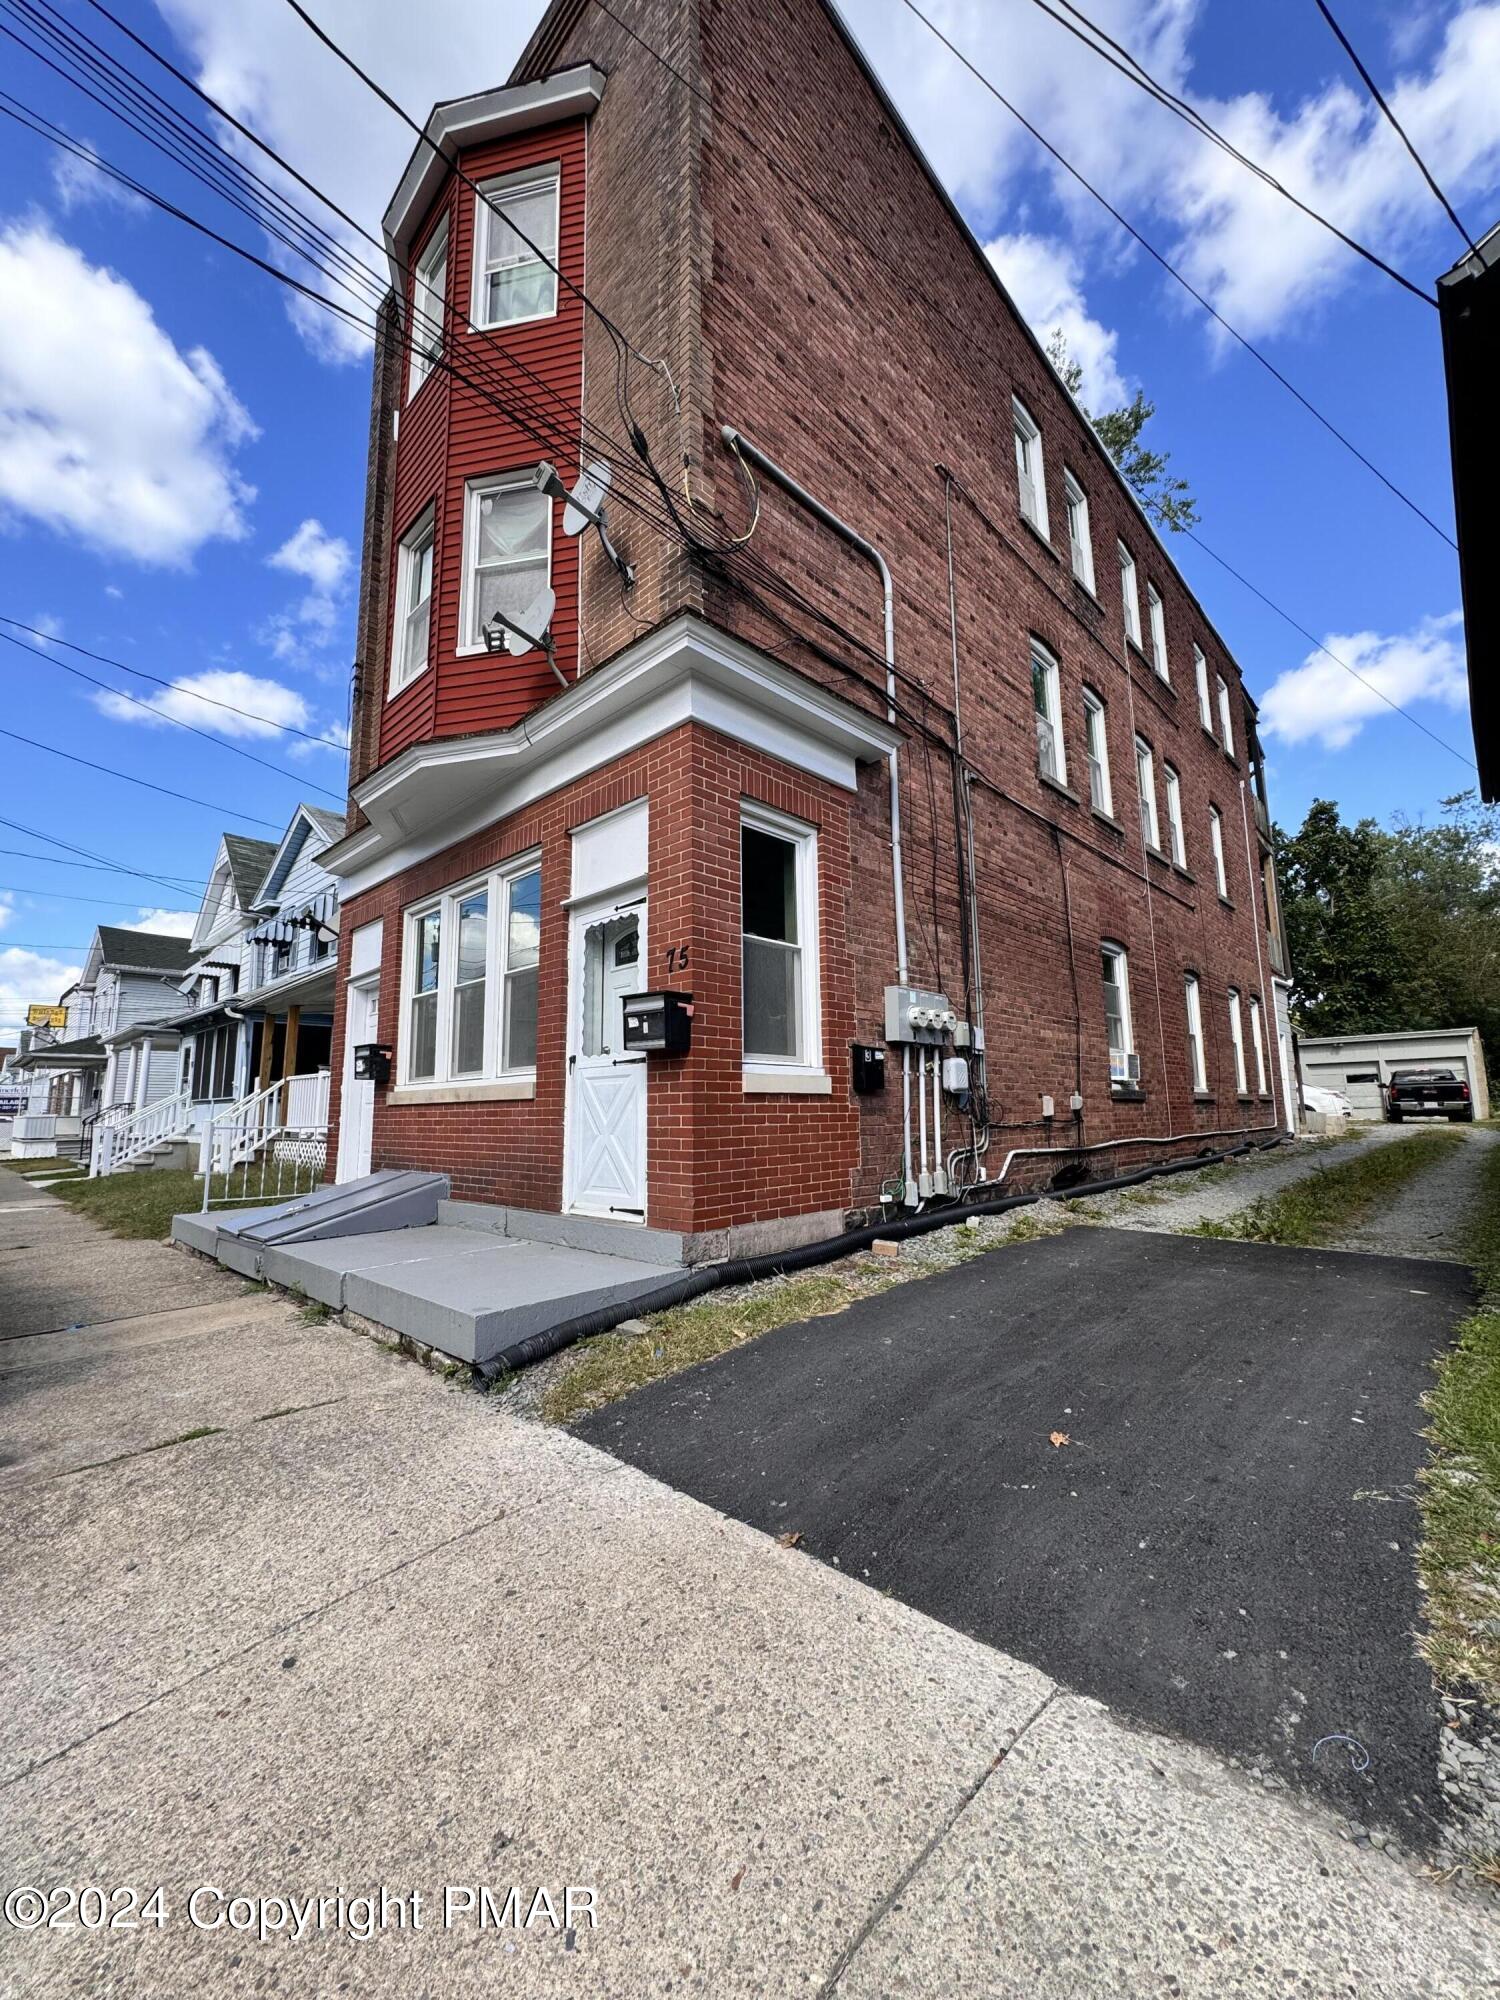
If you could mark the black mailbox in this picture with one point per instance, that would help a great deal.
(372, 1062)
(660, 1023)
(867, 1065)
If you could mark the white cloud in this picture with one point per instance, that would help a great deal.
(46, 626)
(165, 923)
(80, 183)
(298, 634)
(7, 908)
(108, 432)
(270, 707)
(1319, 702)
(1044, 278)
(28, 977)
(313, 553)
(334, 737)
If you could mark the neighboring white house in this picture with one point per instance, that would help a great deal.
(1360, 1065)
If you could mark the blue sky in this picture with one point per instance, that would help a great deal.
(182, 457)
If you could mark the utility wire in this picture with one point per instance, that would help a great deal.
(56, 840)
(1171, 269)
(1374, 90)
(95, 902)
(94, 867)
(1135, 71)
(302, 783)
(210, 805)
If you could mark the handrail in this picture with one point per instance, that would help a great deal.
(117, 1143)
(284, 1125)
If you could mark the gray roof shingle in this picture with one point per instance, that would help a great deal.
(148, 949)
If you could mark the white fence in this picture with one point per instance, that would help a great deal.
(271, 1146)
(122, 1135)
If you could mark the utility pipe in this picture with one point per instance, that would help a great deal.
(738, 442)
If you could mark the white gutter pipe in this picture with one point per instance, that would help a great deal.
(738, 442)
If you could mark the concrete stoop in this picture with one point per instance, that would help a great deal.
(465, 1279)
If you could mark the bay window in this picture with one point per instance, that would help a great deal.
(1045, 699)
(778, 941)
(507, 553)
(412, 638)
(469, 980)
(429, 298)
(515, 248)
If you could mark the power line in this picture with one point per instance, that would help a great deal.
(94, 867)
(93, 902)
(56, 840)
(1374, 90)
(1171, 269)
(1134, 71)
(109, 771)
(161, 715)
(1318, 643)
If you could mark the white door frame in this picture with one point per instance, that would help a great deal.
(581, 915)
(358, 992)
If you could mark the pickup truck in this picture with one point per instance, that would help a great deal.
(1427, 1093)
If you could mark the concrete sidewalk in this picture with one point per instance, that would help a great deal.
(394, 1637)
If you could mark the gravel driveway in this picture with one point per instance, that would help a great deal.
(1428, 1216)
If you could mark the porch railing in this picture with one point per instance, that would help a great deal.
(271, 1146)
(122, 1134)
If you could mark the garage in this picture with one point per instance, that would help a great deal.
(1360, 1065)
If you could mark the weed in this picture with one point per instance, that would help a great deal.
(1330, 1201)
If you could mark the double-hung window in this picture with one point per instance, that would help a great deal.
(470, 981)
(1257, 1044)
(1096, 748)
(1115, 970)
(1216, 842)
(1237, 1039)
(1031, 474)
(515, 248)
(1172, 785)
(1130, 595)
(1226, 726)
(412, 638)
(1200, 670)
(779, 942)
(1080, 541)
(1158, 623)
(1145, 773)
(1193, 1007)
(429, 299)
(507, 555)
(1051, 758)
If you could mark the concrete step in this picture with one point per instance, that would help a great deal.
(577, 1232)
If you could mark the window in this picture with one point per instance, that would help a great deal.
(1258, 1045)
(411, 644)
(1173, 785)
(429, 298)
(1096, 747)
(214, 1053)
(1031, 474)
(515, 219)
(1115, 967)
(1226, 727)
(1158, 630)
(1080, 542)
(1237, 1039)
(1193, 1004)
(1216, 841)
(778, 933)
(470, 980)
(1145, 774)
(1050, 756)
(283, 951)
(508, 553)
(1130, 595)
(1200, 668)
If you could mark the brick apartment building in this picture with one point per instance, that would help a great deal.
(697, 244)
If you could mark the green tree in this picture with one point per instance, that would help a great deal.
(1338, 934)
(1166, 498)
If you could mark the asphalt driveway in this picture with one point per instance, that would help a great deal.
(1175, 1473)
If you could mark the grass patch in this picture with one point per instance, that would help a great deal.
(142, 1205)
(34, 1170)
(1459, 1491)
(1330, 1201)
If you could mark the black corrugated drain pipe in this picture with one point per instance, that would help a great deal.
(777, 1264)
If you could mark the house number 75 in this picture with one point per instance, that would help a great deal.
(676, 957)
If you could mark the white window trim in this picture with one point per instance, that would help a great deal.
(1176, 836)
(425, 308)
(1237, 1042)
(1146, 780)
(1157, 620)
(526, 179)
(1205, 706)
(1216, 843)
(1258, 1044)
(474, 491)
(497, 884)
(1226, 721)
(1121, 957)
(760, 1073)
(1080, 546)
(1040, 656)
(1028, 435)
(1192, 999)
(1094, 711)
(1130, 593)
(422, 532)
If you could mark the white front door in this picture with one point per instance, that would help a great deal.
(606, 1157)
(357, 1099)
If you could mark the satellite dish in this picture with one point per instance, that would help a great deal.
(586, 499)
(530, 629)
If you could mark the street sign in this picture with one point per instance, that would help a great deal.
(46, 1017)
